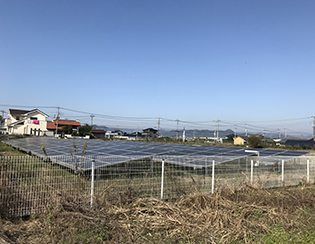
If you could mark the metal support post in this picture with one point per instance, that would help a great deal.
(282, 172)
(92, 181)
(162, 179)
(212, 184)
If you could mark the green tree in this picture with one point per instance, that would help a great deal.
(254, 141)
(67, 129)
(230, 138)
(85, 130)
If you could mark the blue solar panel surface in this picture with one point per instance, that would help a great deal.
(123, 151)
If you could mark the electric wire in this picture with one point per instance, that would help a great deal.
(214, 124)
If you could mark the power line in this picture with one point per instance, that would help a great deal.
(110, 116)
(26, 106)
(269, 121)
(203, 124)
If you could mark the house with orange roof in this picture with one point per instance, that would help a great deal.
(100, 134)
(52, 125)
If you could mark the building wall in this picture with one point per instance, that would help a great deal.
(29, 126)
(99, 135)
(18, 129)
(239, 141)
(49, 133)
(13, 119)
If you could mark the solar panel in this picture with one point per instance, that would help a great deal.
(115, 152)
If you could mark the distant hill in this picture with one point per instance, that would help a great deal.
(103, 127)
(197, 133)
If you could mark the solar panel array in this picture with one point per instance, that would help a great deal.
(124, 151)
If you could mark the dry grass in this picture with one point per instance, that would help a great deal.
(229, 217)
(249, 215)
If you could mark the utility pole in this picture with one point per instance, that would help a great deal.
(57, 120)
(184, 135)
(234, 131)
(279, 133)
(92, 116)
(177, 129)
(285, 132)
(218, 126)
(2, 118)
(246, 130)
(158, 132)
(3, 112)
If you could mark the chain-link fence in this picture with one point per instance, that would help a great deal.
(27, 184)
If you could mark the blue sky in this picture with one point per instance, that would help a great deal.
(241, 62)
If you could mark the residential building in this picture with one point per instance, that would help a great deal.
(238, 140)
(149, 133)
(26, 122)
(114, 134)
(52, 125)
(100, 134)
(297, 142)
(3, 128)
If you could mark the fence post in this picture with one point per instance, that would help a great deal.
(308, 171)
(282, 173)
(162, 179)
(212, 184)
(92, 181)
(251, 171)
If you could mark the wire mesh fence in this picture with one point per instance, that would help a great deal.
(27, 184)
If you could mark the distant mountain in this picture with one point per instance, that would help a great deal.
(197, 133)
(276, 135)
(103, 127)
(200, 133)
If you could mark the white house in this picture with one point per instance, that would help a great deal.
(26, 122)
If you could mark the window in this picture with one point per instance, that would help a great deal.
(33, 118)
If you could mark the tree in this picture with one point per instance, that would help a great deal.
(254, 141)
(230, 138)
(67, 129)
(85, 130)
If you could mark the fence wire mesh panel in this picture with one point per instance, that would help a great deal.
(183, 175)
(233, 174)
(27, 184)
